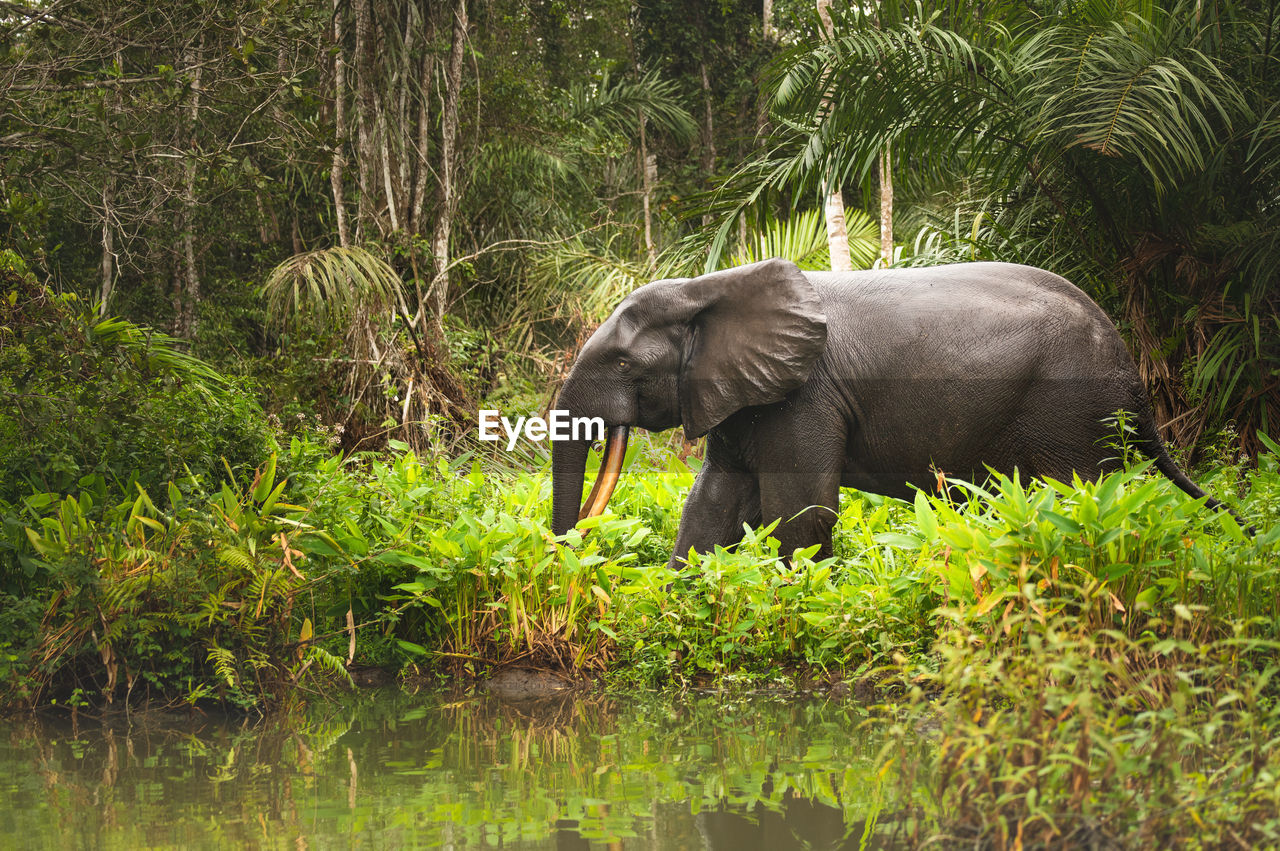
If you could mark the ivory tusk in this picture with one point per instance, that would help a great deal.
(615, 449)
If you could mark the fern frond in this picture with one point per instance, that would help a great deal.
(224, 665)
(326, 661)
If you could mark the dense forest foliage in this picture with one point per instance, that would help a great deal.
(377, 211)
(262, 261)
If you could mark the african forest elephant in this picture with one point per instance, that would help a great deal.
(806, 381)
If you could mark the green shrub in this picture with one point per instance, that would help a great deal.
(195, 598)
(436, 560)
(1064, 736)
(82, 397)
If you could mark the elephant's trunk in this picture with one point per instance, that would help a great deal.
(568, 465)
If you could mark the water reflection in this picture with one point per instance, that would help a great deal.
(391, 769)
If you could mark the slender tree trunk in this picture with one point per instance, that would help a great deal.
(708, 133)
(422, 171)
(265, 218)
(366, 112)
(189, 295)
(404, 128)
(108, 232)
(108, 248)
(837, 234)
(338, 167)
(647, 165)
(886, 207)
(885, 172)
(392, 202)
(438, 294)
(422, 174)
(770, 36)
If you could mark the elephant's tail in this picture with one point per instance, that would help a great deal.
(1155, 449)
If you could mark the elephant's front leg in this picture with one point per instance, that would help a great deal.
(722, 498)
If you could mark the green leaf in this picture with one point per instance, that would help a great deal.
(896, 539)
(925, 518)
(266, 481)
(1231, 527)
(1064, 524)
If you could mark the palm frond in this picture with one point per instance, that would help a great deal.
(802, 239)
(613, 105)
(153, 350)
(585, 281)
(330, 283)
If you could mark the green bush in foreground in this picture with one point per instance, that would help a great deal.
(198, 599)
(1105, 671)
(1060, 735)
(402, 559)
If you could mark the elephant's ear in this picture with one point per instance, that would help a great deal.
(754, 338)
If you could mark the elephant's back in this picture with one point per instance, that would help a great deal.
(963, 319)
(1008, 289)
(963, 366)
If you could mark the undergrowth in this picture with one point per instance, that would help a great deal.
(448, 563)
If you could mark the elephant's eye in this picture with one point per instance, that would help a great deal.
(623, 364)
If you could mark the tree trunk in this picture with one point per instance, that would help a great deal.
(422, 170)
(708, 133)
(338, 167)
(438, 294)
(108, 249)
(837, 234)
(886, 207)
(403, 127)
(366, 111)
(885, 172)
(766, 23)
(392, 202)
(647, 165)
(189, 293)
(108, 232)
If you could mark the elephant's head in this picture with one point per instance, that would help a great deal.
(685, 352)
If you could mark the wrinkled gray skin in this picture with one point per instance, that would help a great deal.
(876, 380)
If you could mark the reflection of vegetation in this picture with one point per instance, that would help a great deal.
(410, 771)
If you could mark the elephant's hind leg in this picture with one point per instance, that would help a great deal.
(800, 485)
(723, 498)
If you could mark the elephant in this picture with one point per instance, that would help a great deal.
(879, 380)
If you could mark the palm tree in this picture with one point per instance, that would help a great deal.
(1128, 147)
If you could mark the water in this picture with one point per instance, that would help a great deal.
(389, 769)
